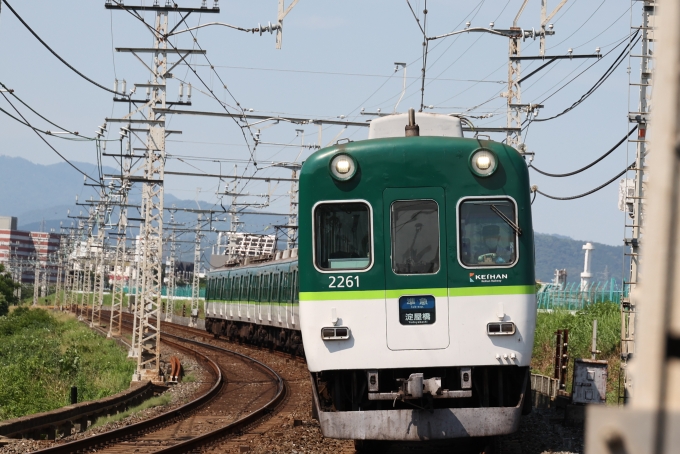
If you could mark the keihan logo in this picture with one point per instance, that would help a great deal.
(487, 278)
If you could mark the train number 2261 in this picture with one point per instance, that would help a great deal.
(343, 281)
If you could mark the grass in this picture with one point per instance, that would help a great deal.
(580, 326)
(189, 378)
(159, 401)
(43, 355)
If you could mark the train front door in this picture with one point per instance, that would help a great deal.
(416, 290)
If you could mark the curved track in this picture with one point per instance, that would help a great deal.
(244, 391)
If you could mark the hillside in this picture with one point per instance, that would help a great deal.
(38, 192)
(557, 252)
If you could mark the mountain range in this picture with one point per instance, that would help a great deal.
(40, 196)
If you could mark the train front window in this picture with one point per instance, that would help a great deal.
(486, 238)
(342, 236)
(415, 237)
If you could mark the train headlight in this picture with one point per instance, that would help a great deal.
(343, 167)
(483, 162)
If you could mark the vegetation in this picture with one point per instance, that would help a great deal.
(159, 401)
(42, 356)
(7, 287)
(580, 326)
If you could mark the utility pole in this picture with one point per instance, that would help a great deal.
(195, 285)
(641, 117)
(649, 423)
(514, 93)
(98, 262)
(36, 281)
(119, 267)
(170, 276)
(149, 301)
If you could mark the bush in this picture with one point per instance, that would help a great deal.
(580, 326)
(42, 356)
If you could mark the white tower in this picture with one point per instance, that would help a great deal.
(586, 275)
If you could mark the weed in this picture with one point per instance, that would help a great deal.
(580, 326)
(42, 356)
(159, 401)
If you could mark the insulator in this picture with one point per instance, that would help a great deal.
(148, 92)
(181, 91)
(127, 146)
(104, 146)
(124, 86)
(188, 92)
(115, 85)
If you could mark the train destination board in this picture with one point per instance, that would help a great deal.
(417, 310)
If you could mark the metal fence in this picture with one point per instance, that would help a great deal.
(180, 292)
(571, 297)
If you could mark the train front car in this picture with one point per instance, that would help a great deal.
(417, 292)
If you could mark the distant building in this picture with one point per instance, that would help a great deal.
(18, 246)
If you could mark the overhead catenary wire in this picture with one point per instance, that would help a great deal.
(57, 55)
(47, 143)
(535, 188)
(610, 151)
(617, 62)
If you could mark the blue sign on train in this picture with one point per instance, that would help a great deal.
(417, 310)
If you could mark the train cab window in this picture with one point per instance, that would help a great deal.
(342, 236)
(415, 237)
(487, 238)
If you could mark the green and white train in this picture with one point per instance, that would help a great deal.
(413, 289)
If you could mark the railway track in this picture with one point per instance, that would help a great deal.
(244, 392)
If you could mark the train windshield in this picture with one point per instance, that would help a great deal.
(486, 239)
(342, 236)
(415, 237)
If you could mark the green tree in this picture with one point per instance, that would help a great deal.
(7, 287)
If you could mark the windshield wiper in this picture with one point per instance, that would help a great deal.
(514, 226)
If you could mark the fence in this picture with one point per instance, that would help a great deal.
(181, 292)
(572, 298)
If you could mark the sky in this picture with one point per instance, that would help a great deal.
(337, 58)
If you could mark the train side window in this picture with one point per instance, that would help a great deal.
(415, 236)
(486, 238)
(227, 289)
(219, 288)
(244, 288)
(285, 295)
(255, 288)
(265, 288)
(236, 289)
(275, 288)
(342, 236)
(296, 287)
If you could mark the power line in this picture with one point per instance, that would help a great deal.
(46, 142)
(560, 175)
(620, 59)
(535, 188)
(335, 73)
(57, 55)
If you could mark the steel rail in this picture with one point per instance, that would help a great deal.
(181, 413)
(141, 427)
(238, 425)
